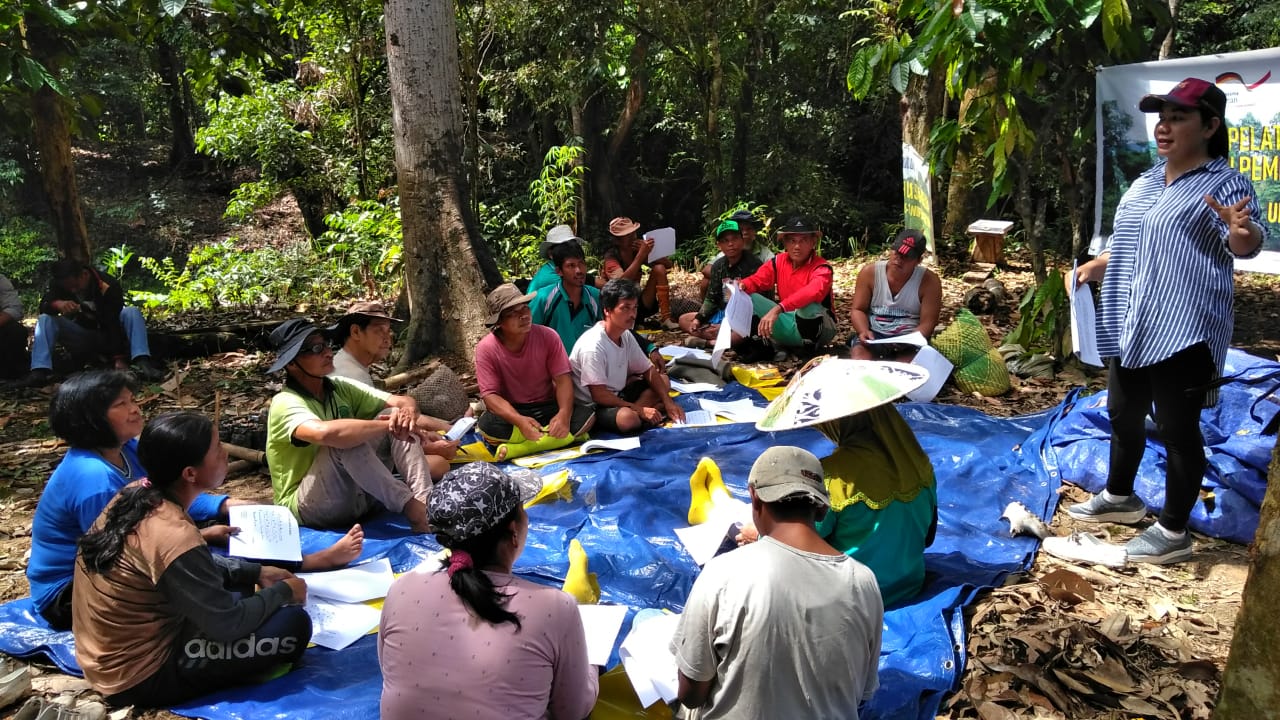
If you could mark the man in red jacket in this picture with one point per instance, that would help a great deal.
(803, 317)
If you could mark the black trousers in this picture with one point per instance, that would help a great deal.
(1175, 387)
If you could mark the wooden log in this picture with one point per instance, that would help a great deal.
(242, 453)
(392, 382)
(240, 466)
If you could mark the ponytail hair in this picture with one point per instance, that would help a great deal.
(170, 444)
(472, 585)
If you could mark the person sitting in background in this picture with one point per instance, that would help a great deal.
(612, 372)
(525, 382)
(627, 259)
(322, 433)
(895, 297)
(471, 638)
(97, 414)
(569, 307)
(84, 309)
(802, 281)
(13, 334)
(157, 618)
(548, 274)
(750, 227)
(733, 263)
(786, 627)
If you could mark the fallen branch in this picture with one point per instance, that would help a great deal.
(241, 466)
(391, 382)
(257, 457)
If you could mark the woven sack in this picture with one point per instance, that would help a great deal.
(441, 395)
(979, 367)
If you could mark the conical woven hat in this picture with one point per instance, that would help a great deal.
(830, 388)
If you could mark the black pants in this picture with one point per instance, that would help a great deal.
(198, 665)
(492, 426)
(1168, 385)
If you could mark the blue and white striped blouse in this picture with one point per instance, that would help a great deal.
(1168, 284)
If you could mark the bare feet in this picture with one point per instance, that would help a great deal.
(347, 548)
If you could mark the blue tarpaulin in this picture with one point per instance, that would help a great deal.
(625, 506)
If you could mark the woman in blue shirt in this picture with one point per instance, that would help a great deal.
(1166, 315)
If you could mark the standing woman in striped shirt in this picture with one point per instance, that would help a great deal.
(1166, 315)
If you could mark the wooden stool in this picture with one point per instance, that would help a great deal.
(988, 238)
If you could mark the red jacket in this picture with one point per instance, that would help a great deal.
(796, 287)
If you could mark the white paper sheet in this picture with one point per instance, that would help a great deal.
(679, 351)
(354, 584)
(460, 428)
(601, 623)
(737, 411)
(335, 625)
(1084, 330)
(646, 656)
(664, 243)
(267, 532)
(915, 339)
(622, 443)
(696, 418)
(939, 368)
(693, 387)
(737, 318)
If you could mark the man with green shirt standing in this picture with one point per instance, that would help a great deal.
(321, 437)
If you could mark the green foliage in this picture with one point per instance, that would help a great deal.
(115, 260)
(367, 236)
(1045, 316)
(556, 192)
(26, 246)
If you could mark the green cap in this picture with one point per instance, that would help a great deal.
(727, 226)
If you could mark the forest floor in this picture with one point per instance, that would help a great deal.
(1059, 641)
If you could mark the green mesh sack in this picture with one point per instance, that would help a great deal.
(979, 367)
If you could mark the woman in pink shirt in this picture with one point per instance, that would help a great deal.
(471, 640)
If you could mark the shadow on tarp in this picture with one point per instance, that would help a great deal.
(626, 504)
(1238, 453)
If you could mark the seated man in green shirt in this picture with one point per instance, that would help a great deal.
(322, 433)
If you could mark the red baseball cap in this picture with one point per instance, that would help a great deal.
(1190, 93)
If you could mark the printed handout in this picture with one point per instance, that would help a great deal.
(267, 532)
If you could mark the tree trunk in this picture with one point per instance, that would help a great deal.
(963, 178)
(182, 147)
(447, 268)
(58, 174)
(51, 129)
(754, 17)
(604, 171)
(1251, 685)
(1166, 47)
(712, 102)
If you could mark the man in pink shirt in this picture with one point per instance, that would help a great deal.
(801, 280)
(524, 378)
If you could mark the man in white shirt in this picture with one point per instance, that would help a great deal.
(365, 335)
(613, 372)
(787, 626)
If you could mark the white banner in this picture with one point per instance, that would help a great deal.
(917, 201)
(1251, 81)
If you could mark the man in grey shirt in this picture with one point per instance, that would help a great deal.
(787, 626)
(13, 334)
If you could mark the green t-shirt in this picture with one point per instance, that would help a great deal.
(289, 460)
(545, 277)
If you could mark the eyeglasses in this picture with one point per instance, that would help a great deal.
(317, 348)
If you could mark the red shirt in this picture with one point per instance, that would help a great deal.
(796, 286)
(521, 377)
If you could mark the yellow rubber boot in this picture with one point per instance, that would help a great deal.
(706, 489)
(582, 585)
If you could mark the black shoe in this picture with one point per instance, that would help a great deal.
(148, 369)
(38, 377)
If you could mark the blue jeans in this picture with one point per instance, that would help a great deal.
(50, 329)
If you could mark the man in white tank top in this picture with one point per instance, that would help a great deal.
(895, 297)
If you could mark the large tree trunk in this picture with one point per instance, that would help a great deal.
(447, 268)
(52, 133)
(58, 174)
(182, 148)
(754, 18)
(1166, 47)
(1251, 686)
(921, 107)
(714, 173)
(963, 178)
